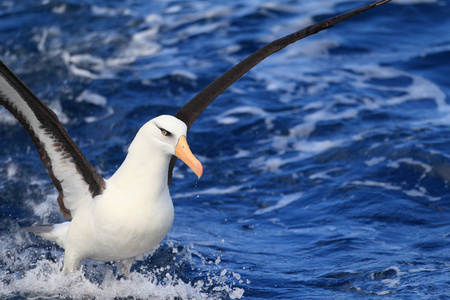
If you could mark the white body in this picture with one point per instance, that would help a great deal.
(135, 211)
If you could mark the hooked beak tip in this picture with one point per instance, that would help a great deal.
(183, 152)
(198, 169)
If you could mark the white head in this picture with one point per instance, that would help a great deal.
(167, 135)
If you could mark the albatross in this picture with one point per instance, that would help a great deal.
(130, 213)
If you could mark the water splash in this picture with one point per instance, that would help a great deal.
(171, 272)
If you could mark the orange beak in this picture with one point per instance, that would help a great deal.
(183, 152)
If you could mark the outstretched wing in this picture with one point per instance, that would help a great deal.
(71, 173)
(192, 110)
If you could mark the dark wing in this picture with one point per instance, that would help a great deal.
(71, 173)
(192, 110)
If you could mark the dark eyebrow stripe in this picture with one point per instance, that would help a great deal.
(168, 132)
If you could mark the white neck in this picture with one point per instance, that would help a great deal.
(143, 174)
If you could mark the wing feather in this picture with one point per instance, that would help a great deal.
(70, 171)
(192, 110)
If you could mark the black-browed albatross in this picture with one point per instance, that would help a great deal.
(130, 213)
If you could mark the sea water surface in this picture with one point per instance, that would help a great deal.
(326, 167)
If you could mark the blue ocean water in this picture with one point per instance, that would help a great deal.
(326, 167)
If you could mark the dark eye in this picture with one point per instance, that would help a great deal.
(165, 132)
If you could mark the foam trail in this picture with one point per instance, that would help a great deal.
(284, 201)
(40, 276)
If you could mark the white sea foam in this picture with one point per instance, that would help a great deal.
(284, 201)
(242, 153)
(423, 269)
(108, 11)
(360, 77)
(273, 164)
(396, 164)
(391, 282)
(227, 118)
(210, 191)
(11, 170)
(420, 192)
(197, 29)
(32, 274)
(374, 161)
(46, 280)
(44, 209)
(86, 65)
(173, 9)
(56, 107)
(303, 148)
(409, 2)
(93, 98)
(184, 73)
(91, 119)
(304, 17)
(6, 117)
(96, 99)
(59, 9)
(324, 174)
(41, 43)
(330, 116)
(141, 44)
(419, 89)
(191, 18)
(315, 147)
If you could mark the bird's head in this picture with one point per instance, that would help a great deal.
(168, 134)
